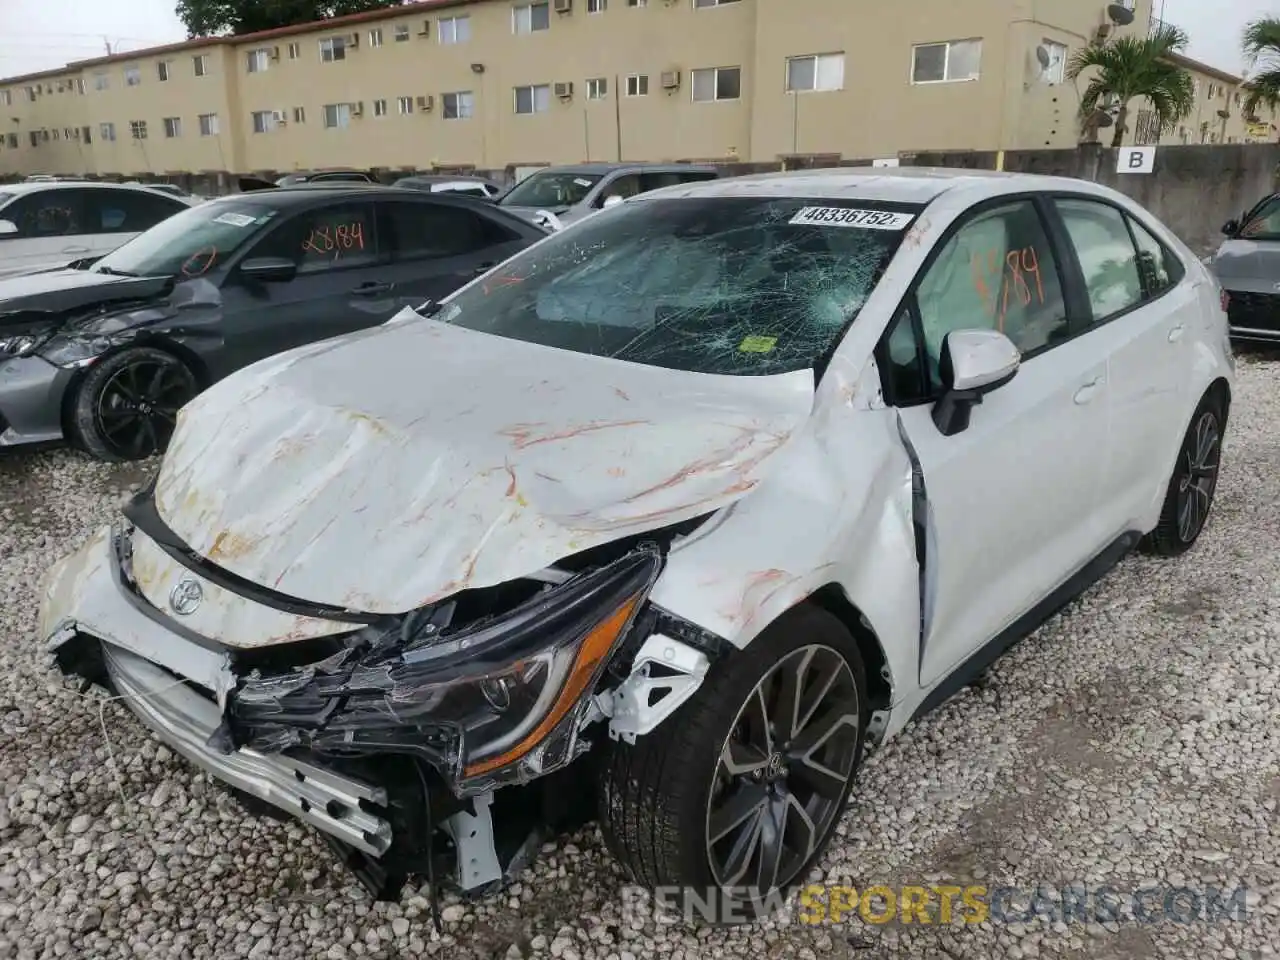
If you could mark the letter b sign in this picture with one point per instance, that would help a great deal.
(1136, 160)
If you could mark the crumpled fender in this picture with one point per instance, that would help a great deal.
(842, 513)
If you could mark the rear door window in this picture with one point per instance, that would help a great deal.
(428, 230)
(127, 211)
(1106, 253)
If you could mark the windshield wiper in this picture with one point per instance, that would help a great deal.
(114, 272)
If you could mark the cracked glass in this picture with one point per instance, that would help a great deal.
(722, 285)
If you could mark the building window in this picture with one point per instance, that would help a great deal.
(638, 85)
(458, 29)
(699, 4)
(533, 99)
(404, 105)
(100, 82)
(132, 76)
(80, 86)
(337, 115)
(162, 70)
(823, 71)
(258, 60)
(1055, 71)
(459, 106)
(299, 114)
(402, 32)
(295, 51)
(35, 138)
(264, 121)
(375, 37)
(530, 17)
(717, 83)
(201, 62)
(636, 4)
(138, 129)
(107, 131)
(57, 135)
(172, 127)
(597, 6)
(946, 62)
(597, 88)
(333, 48)
(379, 108)
(13, 140)
(208, 124)
(6, 98)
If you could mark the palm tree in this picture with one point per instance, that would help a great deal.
(1262, 49)
(1131, 67)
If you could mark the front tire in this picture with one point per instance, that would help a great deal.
(737, 794)
(1189, 497)
(127, 405)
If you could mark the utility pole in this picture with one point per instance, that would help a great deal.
(107, 43)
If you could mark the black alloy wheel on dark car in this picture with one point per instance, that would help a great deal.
(127, 406)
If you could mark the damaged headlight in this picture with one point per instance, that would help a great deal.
(25, 342)
(494, 700)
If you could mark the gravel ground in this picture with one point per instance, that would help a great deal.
(1134, 740)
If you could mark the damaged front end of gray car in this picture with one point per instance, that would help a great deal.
(447, 743)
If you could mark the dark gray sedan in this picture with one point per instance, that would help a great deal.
(1248, 267)
(106, 355)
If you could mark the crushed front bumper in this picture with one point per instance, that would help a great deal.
(31, 393)
(175, 688)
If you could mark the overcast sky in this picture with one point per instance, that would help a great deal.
(44, 34)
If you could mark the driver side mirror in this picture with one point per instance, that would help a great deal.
(973, 363)
(8, 228)
(269, 269)
(613, 200)
(1231, 228)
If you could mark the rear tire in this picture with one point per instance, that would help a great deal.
(700, 803)
(127, 405)
(1189, 498)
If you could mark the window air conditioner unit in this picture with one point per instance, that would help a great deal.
(564, 90)
(563, 6)
(670, 79)
(278, 116)
(426, 103)
(357, 109)
(426, 29)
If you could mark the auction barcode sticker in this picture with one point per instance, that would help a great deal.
(846, 217)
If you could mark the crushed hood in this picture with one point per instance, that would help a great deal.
(394, 467)
(65, 291)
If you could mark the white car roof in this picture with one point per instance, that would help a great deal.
(38, 186)
(877, 184)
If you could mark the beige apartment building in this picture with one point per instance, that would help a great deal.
(498, 83)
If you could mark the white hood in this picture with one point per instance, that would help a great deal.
(394, 467)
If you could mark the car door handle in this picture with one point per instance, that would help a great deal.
(372, 288)
(75, 249)
(1088, 391)
(1176, 333)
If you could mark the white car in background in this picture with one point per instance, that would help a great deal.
(46, 224)
(762, 469)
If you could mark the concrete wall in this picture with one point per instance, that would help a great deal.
(1194, 189)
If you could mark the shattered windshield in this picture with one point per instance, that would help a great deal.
(191, 243)
(551, 190)
(723, 285)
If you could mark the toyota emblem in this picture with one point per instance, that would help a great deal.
(185, 597)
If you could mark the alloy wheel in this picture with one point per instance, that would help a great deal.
(1199, 477)
(783, 770)
(138, 405)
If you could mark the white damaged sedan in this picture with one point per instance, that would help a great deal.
(680, 510)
